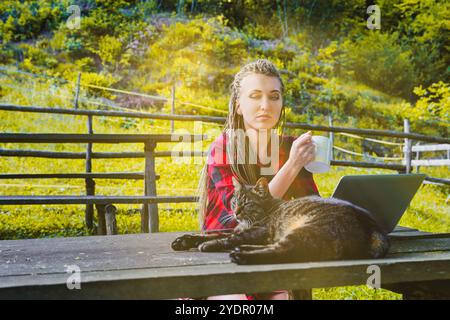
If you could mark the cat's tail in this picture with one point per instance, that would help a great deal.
(379, 244)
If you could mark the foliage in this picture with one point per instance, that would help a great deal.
(424, 28)
(20, 20)
(380, 62)
(433, 104)
(435, 100)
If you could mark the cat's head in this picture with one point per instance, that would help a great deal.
(250, 203)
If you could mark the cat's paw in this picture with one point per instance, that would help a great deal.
(184, 242)
(238, 257)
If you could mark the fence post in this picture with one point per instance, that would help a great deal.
(417, 158)
(172, 123)
(101, 228)
(89, 182)
(110, 219)
(77, 91)
(149, 215)
(330, 122)
(407, 150)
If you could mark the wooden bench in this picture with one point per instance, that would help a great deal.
(143, 266)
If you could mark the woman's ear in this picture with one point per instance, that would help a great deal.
(238, 110)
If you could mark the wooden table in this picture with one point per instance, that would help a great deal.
(140, 266)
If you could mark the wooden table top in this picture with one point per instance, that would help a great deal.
(138, 266)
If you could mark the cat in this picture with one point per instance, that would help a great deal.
(310, 228)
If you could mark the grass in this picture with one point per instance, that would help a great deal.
(428, 210)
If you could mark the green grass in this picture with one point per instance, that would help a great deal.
(428, 210)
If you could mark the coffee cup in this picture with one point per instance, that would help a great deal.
(322, 151)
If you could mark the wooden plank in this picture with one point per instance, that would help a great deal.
(181, 154)
(89, 210)
(201, 280)
(101, 219)
(89, 182)
(408, 145)
(422, 290)
(141, 115)
(390, 166)
(95, 155)
(110, 219)
(369, 132)
(37, 200)
(409, 234)
(150, 217)
(47, 255)
(433, 147)
(438, 180)
(401, 229)
(100, 175)
(414, 245)
(143, 266)
(431, 162)
(95, 138)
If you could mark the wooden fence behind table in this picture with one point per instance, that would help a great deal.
(404, 166)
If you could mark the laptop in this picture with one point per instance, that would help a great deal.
(385, 196)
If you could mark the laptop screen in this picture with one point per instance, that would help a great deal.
(385, 196)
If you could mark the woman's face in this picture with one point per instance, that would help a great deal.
(260, 101)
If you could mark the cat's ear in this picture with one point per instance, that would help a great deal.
(237, 185)
(262, 187)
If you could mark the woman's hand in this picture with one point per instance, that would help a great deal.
(302, 151)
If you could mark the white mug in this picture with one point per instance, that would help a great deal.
(321, 162)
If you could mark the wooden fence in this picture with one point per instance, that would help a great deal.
(149, 216)
(150, 200)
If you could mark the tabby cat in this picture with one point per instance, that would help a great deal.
(310, 228)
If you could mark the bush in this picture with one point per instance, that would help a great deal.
(20, 20)
(433, 107)
(377, 60)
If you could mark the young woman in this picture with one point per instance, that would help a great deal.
(255, 108)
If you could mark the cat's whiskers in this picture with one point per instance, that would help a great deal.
(227, 219)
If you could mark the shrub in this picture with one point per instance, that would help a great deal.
(377, 60)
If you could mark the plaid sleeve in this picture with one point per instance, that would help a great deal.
(220, 190)
(303, 185)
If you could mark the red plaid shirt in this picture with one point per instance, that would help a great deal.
(220, 185)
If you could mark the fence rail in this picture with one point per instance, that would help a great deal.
(96, 155)
(95, 138)
(431, 162)
(433, 147)
(104, 200)
(122, 114)
(102, 175)
(145, 115)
